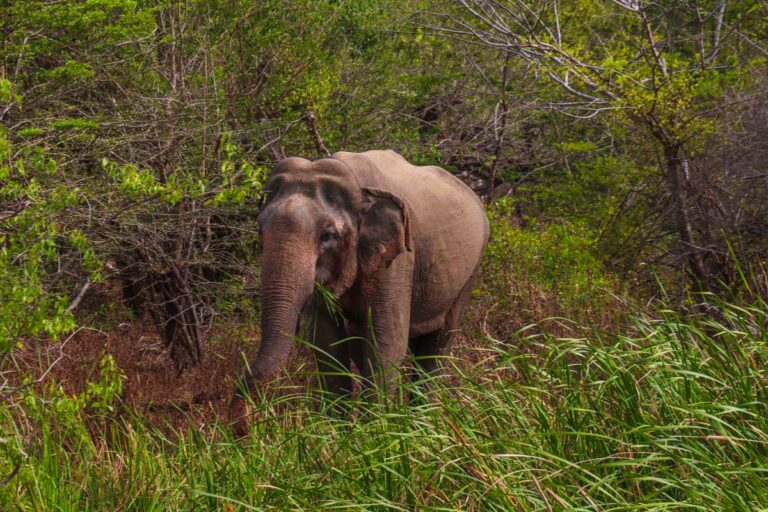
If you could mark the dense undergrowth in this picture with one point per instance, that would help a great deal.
(671, 414)
(547, 270)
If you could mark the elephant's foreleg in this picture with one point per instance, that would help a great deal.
(427, 350)
(386, 328)
(331, 351)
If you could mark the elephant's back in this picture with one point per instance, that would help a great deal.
(446, 209)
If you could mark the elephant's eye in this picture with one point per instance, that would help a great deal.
(328, 239)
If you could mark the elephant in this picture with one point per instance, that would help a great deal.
(399, 246)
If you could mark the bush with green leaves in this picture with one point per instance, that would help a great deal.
(35, 245)
(552, 270)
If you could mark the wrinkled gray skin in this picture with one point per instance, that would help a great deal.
(385, 236)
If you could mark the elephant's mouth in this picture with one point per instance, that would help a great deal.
(305, 316)
(322, 275)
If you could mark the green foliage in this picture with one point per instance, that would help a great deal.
(6, 91)
(29, 132)
(55, 408)
(237, 181)
(72, 71)
(141, 183)
(240, 180)
(326, 299)
(90, 261)
(553, 264)
(29, 243)
(69, 124)
(591, 192)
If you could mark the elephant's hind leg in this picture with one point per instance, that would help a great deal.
(427, 350)
(430, 349)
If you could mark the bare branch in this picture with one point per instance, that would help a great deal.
(632, 5)
(311, 120)
(19, 209)
(79, 297)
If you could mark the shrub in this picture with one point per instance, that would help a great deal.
(534, 272)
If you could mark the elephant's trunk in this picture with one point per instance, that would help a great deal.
(288, 275)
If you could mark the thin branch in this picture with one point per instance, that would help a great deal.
(17, 211)
(79, 297)
(311, 119)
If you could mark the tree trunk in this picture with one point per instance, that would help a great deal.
(677, 171)
(500, 130)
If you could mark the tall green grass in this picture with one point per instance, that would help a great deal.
(670, 415)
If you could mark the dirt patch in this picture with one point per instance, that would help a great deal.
(152, 386)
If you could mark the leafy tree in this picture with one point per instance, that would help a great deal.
(664, 67)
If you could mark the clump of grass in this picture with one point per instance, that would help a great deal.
(671, 415)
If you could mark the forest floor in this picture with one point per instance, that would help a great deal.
(152, 387)
(152, 384)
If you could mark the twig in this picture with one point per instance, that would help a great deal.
(11, 476)
(21, 208)
(79, 297)
(311, 119)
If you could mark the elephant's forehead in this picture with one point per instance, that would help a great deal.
(337, 191)
(300, 212)
(297, 211)
(308, 184)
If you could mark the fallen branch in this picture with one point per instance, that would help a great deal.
(79, 297)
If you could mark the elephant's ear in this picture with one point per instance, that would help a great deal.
(385, 231)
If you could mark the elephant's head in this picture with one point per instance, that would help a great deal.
(317, 225)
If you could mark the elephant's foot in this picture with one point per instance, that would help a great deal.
(240, 416)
